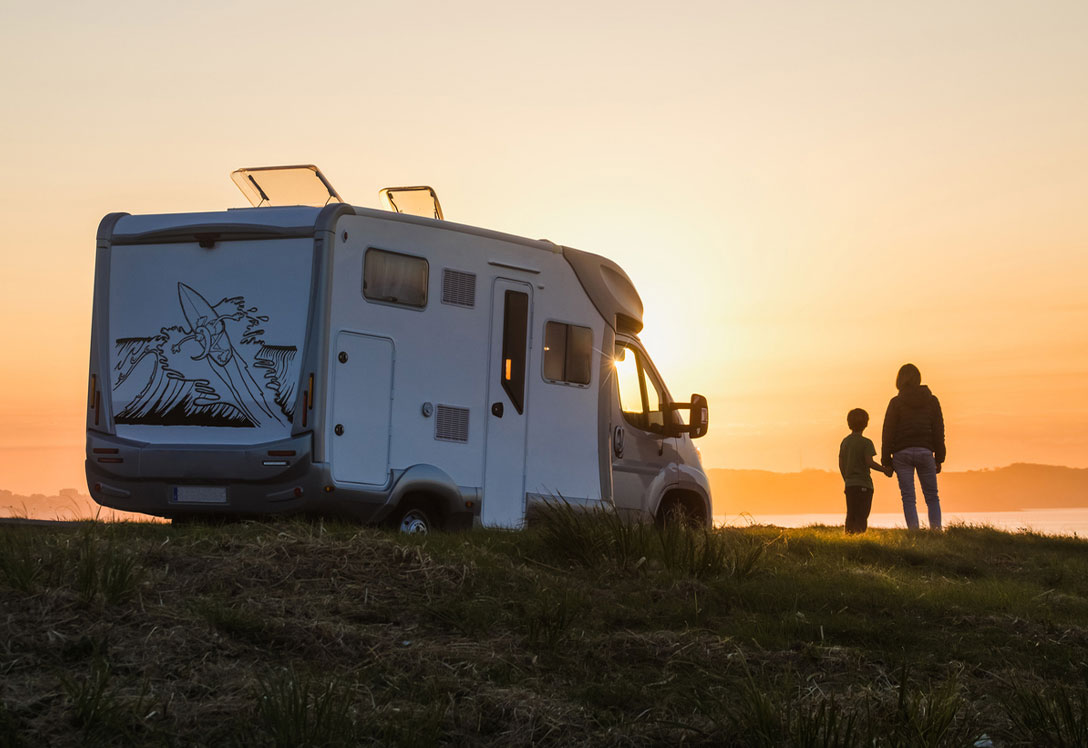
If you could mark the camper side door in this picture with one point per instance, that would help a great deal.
(641, 454)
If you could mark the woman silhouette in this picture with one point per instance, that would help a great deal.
(913, 439)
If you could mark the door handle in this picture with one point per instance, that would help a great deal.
(617, 441)
(496, 410)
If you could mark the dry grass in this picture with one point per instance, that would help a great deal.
(299, 633)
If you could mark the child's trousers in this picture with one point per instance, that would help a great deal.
(859, 501)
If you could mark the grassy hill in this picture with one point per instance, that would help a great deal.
(578, 631)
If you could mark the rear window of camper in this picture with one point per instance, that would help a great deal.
(568, 353)
(395, 278)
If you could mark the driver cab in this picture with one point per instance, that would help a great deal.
(653, 458)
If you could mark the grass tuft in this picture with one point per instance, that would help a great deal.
(100, 712)
(769, 710)
(1051, 716)
(595, 537)
(296, 710)
(936, 717)
(11, 728)
(234, 620)
(105, 570)
(548, 616)
(21, 564)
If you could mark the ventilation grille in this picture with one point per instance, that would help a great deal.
(451, 424)
(458, 288)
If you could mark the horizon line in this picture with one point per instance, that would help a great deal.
(943, 472)
(80, 489)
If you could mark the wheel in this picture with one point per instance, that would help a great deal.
(413, 518)
(679, 512)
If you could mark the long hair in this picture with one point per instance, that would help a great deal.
(908, 376)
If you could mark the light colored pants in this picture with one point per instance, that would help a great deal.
(905, 462)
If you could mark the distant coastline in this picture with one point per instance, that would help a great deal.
(66, 504)
(1017, 487)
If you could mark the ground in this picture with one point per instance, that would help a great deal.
(580, 630)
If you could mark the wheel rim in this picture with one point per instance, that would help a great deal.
(414, 521)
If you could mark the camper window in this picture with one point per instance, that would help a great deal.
(515, 334)
(395, 278)
(568, 353)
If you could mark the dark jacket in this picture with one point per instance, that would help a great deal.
(913, 419)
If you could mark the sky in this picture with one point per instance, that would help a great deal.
(806, 194)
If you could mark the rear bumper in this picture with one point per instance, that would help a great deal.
(250, 480)
(271, 478)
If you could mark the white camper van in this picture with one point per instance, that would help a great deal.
(304, 355)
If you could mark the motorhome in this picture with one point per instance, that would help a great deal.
(307, 356)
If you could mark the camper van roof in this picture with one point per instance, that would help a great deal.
(605, 282)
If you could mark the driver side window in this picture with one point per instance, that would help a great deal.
(640, 395)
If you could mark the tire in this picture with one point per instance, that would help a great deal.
(414, 517)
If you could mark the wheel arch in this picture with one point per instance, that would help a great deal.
(690, 498)
(429, 484)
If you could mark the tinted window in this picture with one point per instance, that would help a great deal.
(629, 386)
(555, 345)
(639, 391)
(515, 329)
(568, 353)
(395, 278)
(654, 416)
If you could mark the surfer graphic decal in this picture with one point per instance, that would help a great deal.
(217, 370)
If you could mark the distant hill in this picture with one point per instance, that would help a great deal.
(1012, 488)
(68, 504)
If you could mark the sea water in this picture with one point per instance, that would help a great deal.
(1044, 521)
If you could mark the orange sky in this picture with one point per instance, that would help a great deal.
(807, 195)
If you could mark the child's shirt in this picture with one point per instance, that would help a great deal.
(853, 464)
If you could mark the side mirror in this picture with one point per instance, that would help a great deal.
(698, 421)
(700, 417)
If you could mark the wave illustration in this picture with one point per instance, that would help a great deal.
(168, 398)
(217, 372)
(279, 374)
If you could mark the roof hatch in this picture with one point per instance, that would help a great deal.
(277, 186)
(415, 201)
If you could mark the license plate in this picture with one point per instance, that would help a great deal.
(200, 495)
